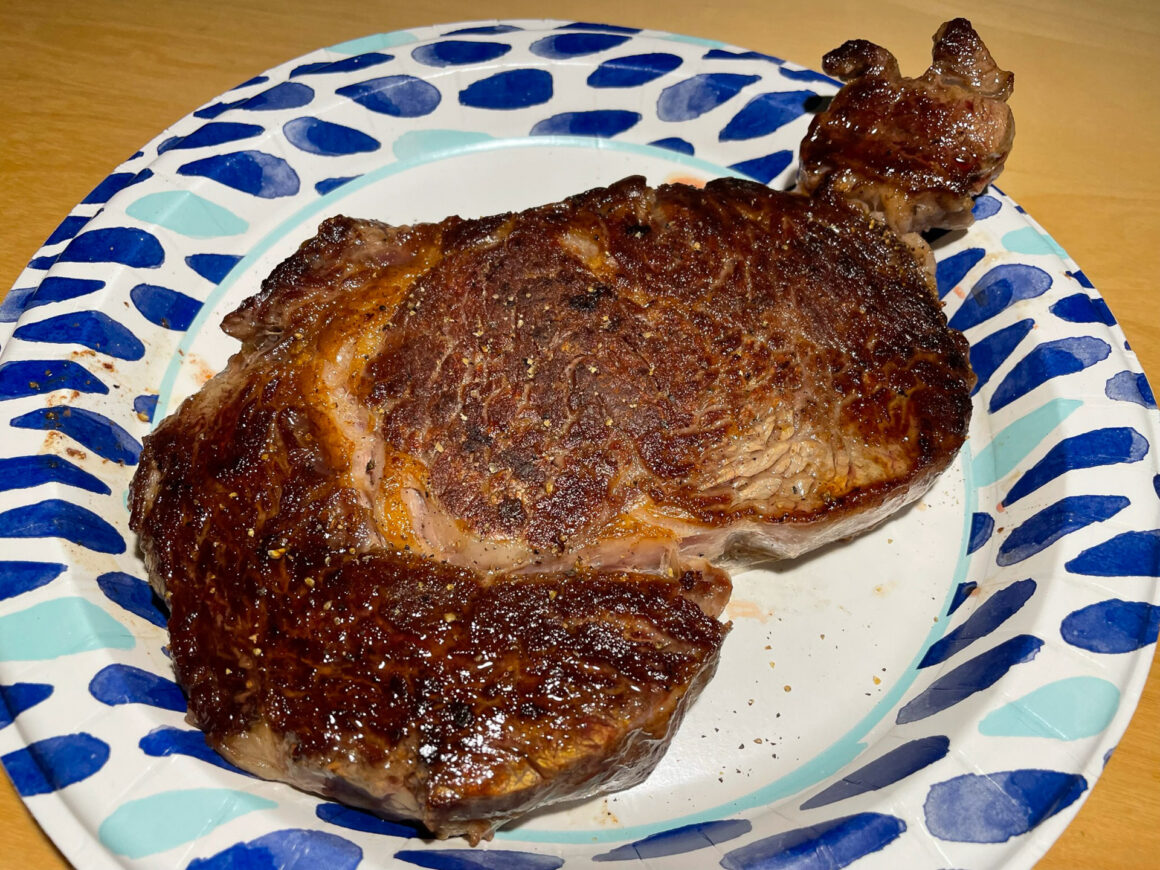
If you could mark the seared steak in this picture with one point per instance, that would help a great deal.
(440, 540)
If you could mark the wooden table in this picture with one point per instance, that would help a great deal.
(84, 84)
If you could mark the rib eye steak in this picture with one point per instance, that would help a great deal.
(442, 540)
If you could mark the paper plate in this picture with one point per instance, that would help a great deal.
(941, 692)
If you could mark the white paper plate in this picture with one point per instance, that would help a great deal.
(941, 692)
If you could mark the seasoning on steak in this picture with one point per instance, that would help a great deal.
(441, 540)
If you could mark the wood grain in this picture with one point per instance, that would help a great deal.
(85, 84)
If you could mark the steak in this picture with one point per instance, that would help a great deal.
(445, 538)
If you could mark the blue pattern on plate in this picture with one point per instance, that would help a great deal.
(315, 136)
(18, 472)
(992, 613)
(114, 184)
(91, 329)
(254, 172)
(895, 765)
(133, 594)
(343, 65)
(973, 676)
(169, 309)
(1044, 528)
(357, 820)
(997, 290)
(459, 52)
(67, 228)
(57, 289)
(20, 378)
(633, 70)
(95, 431)
(282, 850)
(1128, 554)
(1112, 626)
(54, 518)
(985, 206)
(994, 807)
(144, 406)
(830, 844)
(600, 123)
(700, 94)
(767, 168)
(1121, 444)
(213, 133)
(328, 184)
(212, 267)
(124, 684)
(400, 96)
(128, 246)
(949, 272)
(1081, 308)
(511, 89)
(18, 697)
(674, 143)
(1052, 359)
(962, 593)
(479, 859)
(991, 352)
(166, 740)
(55, 762)
(568, 45)
(764, 114)
(982, 525)
(1130, 387)
(18, 577)
(678, 841)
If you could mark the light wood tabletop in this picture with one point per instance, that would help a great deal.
(84, 84)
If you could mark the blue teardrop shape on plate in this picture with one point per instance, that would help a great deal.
(767, 168)
(16, 578)
(962, 593)
(725, 54)
(992, 613)
(1128, 554)
(459, 52)
(991, 352)
(18, 697)
(328, 184)
(284, 95)
(20, 378)
(975, 675)
(346, 64)
(1113, 626)
(595, 25)
(700, 94)
(94, 431)
(145, 405)
(212, 267)
(20, 472)
(511, 89)
(999, 288)
(167, 308)
(134, 595)
(124, 245)
(484, 30)
(561, 46)
(1052, 359)
(893, 766)
(54, 763)
(54, 518)
(678, 841)
(1081, 308)
(674, 143)
(1130, 387)
(1067, 515)
(807, 75)
(114, 184)
(954, 269)
(212, 133)
(91, 329)
(841, 841)
(124, 684)
(602, 123)
(994, 807)
(478, 859)
(1087, 450)
(166, 740)
(283, 850)
(315, 136)
(358, 820)
(67, 229)
(764, 114)
(982, 525)
(50, 289)
(633, 70)
(985, 206)
(254, 172)
(400, 96)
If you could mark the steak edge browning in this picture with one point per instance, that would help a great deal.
(442, 540)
